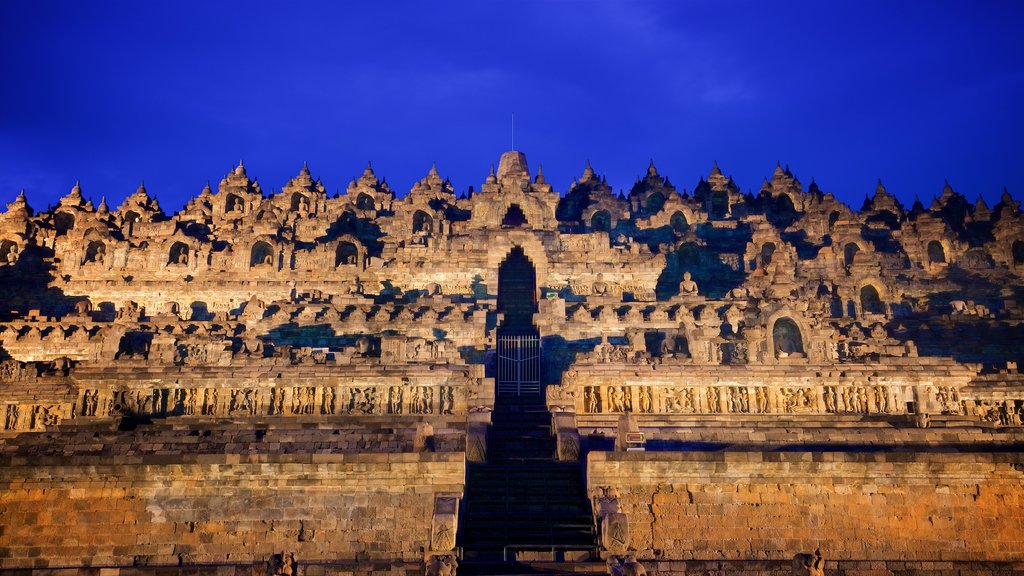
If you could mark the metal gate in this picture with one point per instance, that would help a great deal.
(518, 365)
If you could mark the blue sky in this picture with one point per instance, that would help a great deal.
(176, 93)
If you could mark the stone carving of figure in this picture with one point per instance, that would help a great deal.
(442, 566)
(600, 287)
(667, 347)
(809, 564)
(446, 400)
(687, 286)
(645, 401)
(363, 346)
(592, 399)
(9, 254)
(626, 567)
(614, 399)
(395, 400)
(282, 565)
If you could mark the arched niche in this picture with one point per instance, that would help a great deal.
(782, 211)
(936, 252)
(95, 251)
(347, 223)
(8, 252)
(422, 222)
(850, 253)
(719, 204)
(131, 217)
(787, 341)
(514, 217)
(262, 254)
(63, 222)
(346, 254)
(767, 252)
(1017, 251)
(233, 203)
(601, 221)
(679, 224)
(300, 202)
(870, 301)
(655, 202)
(178, 254)
(364, 201)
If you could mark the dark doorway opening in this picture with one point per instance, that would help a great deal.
(517, 293)
(518, 339)
(514, 217)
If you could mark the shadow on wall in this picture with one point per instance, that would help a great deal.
(366, 230)
(313, 336)
(25, 286)
(967, 338)
(714, 278)
(558, 354)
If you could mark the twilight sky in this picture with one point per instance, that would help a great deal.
(175, 93)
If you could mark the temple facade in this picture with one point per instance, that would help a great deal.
(657, 381)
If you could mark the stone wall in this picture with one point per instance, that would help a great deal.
(220, 509)
(770, 506)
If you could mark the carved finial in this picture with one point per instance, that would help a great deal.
(240, 170)
(21, 197)
(206, 189)
(305, 169)
(1006, 198)
(540, 175)
(433, 170)
(76, 190)
(103, 208)
(651, 170)
(980, 205)
(588, 172)
(715, 170)
(880, 189)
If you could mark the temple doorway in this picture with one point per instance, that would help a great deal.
(518, 338)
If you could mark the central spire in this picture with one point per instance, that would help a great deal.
(513, 163)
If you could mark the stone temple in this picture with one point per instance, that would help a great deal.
(512, 381)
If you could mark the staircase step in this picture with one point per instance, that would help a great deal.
(522, 498)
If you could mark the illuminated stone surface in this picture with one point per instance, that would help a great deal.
(297, 383)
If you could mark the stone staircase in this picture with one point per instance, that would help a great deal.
(523, 505)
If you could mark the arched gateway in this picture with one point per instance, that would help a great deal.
(518, 338)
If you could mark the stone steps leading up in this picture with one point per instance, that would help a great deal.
(523, 501)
